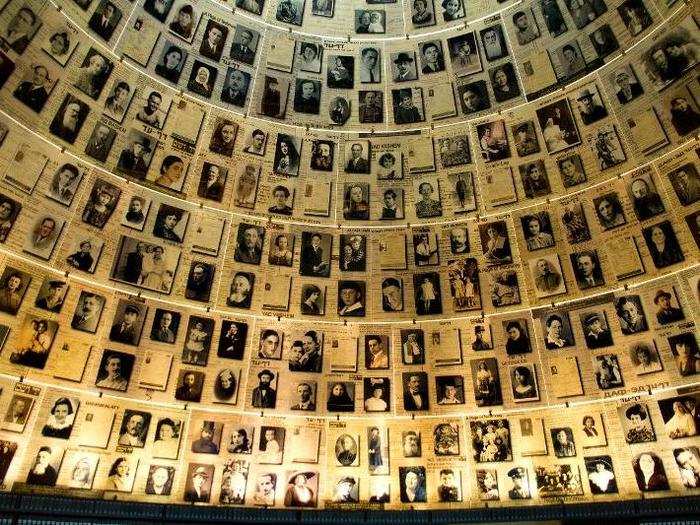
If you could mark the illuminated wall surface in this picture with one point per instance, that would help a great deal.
(313, 254)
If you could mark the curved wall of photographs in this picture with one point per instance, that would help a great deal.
(371, 253)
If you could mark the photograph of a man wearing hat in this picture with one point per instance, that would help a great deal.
(264, 396)
(345, 491)
(666, 313)
(479, 342)
(128, 329)
(628, 88)
(597, 332)
(134, 159)
(589, 108)
(404, 67)
(199, 483)
(518, 477)
(205, 444)
(52, 296)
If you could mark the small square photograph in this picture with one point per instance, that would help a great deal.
(464, 284)
(322, 155)
(535, 180)
(198, 338)
(411, 443)
(571, 170)
(44, 468)
(450, 487)
(377, 394)
(287, 155)
(636, 423)
(587, 269)
(573, 217)
(563, 441)
(377, 352)
(307, 96)
(134, 428)
(684, 348)
(487, 484)
(51, 295)
(494, 243)
(403, 66)
(310, 57)
(422, 13)
(281, 200)
(34, 341)
(525, 138)
(371, 105)
(172, 61)
(88, 311)
(356, 201)
(676, 414)
(202, 79)
(136, 155)
(688, 462)
(281, 251)
(245, 44)
(357, 156)
(353, 253)
(624, 83)
(635, 16)
(408, 105)
(241, 440)
(165, 326)
(189, 386)
(101, 203)
(491, 440)
(128, 321)
(481, 339)
(290, 12)
(557, 126)
(596, 329)
(593, 431)
(18, 412)
(645, 358)
(473, 97)
(452, 10)
(302, 489)
(60, 43)
(271, 445)
(246, 186)
(198, 483)
(100, 142)
(212, 182)
(10, 211)
(206, 437)
(93, 73)
(273, 102)
(486, 382)
(523, 380)
(235, 88)
(663, 244)
(504, 288)
(604, 41)
(166, 441)
(105, 20)
(305, 398)
(78, 469)
(432, 58)
(153, 111)
(450, 391)
(568, 61)
(412, 483)
(254, 7)
(270, 346)
(607, 371)
(686, 183)
(415, 391)
(463, 194)
(446, 439)
(645, 197)
(464, 54)
(232, 340)
(547, 276)
(493, 141)
(606, 146)
(494, 42)
(370, 21)
(590, 104)
(36, 85)
(346, 450)
(517, 337)
(14, 286)
(340, 72)
(525, 26)
(249, 243)
(649, 472)
(537, 229)
(557, 330)
(427, 293)
(114, 371)
(425, 249)
(160, 480)
(223, 137)
(392, 202)
(351, 298)
(69, 119)
(601, 475)
(631, 315)
(429, 204)
(454, 151)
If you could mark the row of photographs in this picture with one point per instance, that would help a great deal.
(75, 441)
(472, 97)
(432, 271)
(618, 343)
(141, 154)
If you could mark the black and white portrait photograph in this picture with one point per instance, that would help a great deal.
(525, 26)
(672, 55)
(415, 391)
(189, 386)
(427, 293)
(493, 141)
(213, 40)
(504, 82)
(645, 358)
(377, 394)
(517, 336)
(523, 380)
(563, 442)
(587, 269)
(596, 329)
(422, 13)
(688, 462)
(408, 105)
(573, 217)
(371, 110)
(412, 484)
(290, 11)
(487, 484)
(606, 146)
(105, 20)
(604, 41)
(235, 88)
(101, 203)
(607, 371)
(165, 326)
(534, 179)
(60, 43)
(645, 197)
(464, 54)
(137, 154)
(494, 42)
(341, 396)
(69, 119)
(557, 126)
(351, 298)
(171, 62)
(557, 330)
(495, 243)
(377, 352)
(370, 21)
(663, 244)
(432, 58)
(202, 79)
(450, 391)
(486, 382)
(287, 155)
(226, 386)
(403, 66)
(249, 243)
(93, 73)
(601, 475)
(34, 341)
(491, 440)
(315, 254)
(36, 84)
(548, 484)
(340, 73)
(547, 275)
(114, 371)
(145, 265)
(127, 323)
(353, 253)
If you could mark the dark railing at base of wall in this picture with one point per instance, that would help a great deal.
(38, 509)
